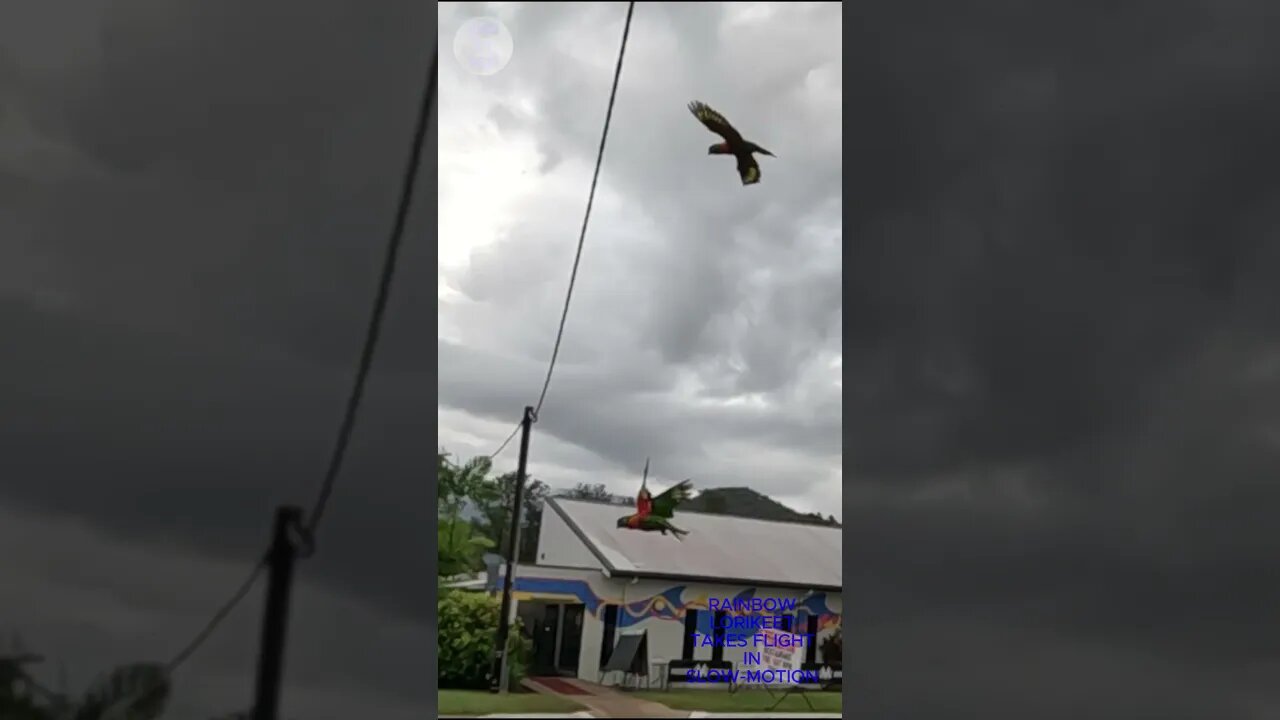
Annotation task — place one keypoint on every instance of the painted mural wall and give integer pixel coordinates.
(658, 607)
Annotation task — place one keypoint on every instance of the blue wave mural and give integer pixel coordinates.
(670, 604)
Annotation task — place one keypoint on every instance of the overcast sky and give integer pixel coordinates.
(705, 327)
(1063, 359)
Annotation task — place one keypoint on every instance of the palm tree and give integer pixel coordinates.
(459, 549)
(137, 691)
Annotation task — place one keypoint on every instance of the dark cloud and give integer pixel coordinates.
(195, 204)
(1061, 418)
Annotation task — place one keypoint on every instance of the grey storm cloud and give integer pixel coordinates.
(195, 203)
(1061, 360)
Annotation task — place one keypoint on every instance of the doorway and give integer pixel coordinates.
(556, 632)
(571, 639)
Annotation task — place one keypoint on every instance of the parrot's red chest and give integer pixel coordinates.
(633, 522)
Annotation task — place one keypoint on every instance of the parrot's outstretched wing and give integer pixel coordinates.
(665, 504)
(644, 500)
(715, 122)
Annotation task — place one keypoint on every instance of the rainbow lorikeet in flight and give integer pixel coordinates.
(734, 144)
(655, 513)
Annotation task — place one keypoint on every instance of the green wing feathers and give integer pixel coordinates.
(715, 122)
(665, 504)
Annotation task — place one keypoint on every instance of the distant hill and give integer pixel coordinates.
(734, 501)
(745, 502)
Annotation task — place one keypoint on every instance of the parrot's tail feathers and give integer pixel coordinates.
(679, 533)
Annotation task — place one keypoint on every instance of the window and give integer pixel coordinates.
(610, 630)
(690, 627)
(811, 638)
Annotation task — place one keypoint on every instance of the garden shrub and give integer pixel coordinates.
(468, 622)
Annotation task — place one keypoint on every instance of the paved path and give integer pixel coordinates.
(606, 702)
(700, 714)
(691, 715)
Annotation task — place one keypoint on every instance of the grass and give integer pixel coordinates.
(745, 700)
(482, 702)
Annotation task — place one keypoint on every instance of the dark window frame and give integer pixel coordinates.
(690, 627)
(610, 633)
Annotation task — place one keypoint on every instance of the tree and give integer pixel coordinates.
(17, 699)
(137, 691)
(15, 703)
(495, 508)
(459, 549)
(583, 491)
(492, 499)
(460, 483)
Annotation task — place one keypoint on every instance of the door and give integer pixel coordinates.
(544, 642)
(571, 640)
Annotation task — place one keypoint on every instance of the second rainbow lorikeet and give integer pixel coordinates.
(734, 144)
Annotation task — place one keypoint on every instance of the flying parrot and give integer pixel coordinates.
(734, 144)
(660, 512)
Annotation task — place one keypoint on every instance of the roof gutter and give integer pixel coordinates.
(756, 582)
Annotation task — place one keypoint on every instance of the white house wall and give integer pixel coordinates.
(663, 623)
(558, 545)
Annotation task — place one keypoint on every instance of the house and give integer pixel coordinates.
(594, 581)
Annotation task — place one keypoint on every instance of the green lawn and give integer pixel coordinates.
(746, 700)
(482, 702)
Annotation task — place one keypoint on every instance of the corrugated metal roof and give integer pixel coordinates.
(718, 547)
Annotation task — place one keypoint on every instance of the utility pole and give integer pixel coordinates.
(498, 676)
(276, 616)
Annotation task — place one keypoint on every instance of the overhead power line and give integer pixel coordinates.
(493, 455)
(573, 275)
(218, 617)
(379, 305)
(577, 258)
(505, 443)
(366, 361)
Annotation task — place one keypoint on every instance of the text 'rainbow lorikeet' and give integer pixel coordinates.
(734, 144)
(655, 513)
